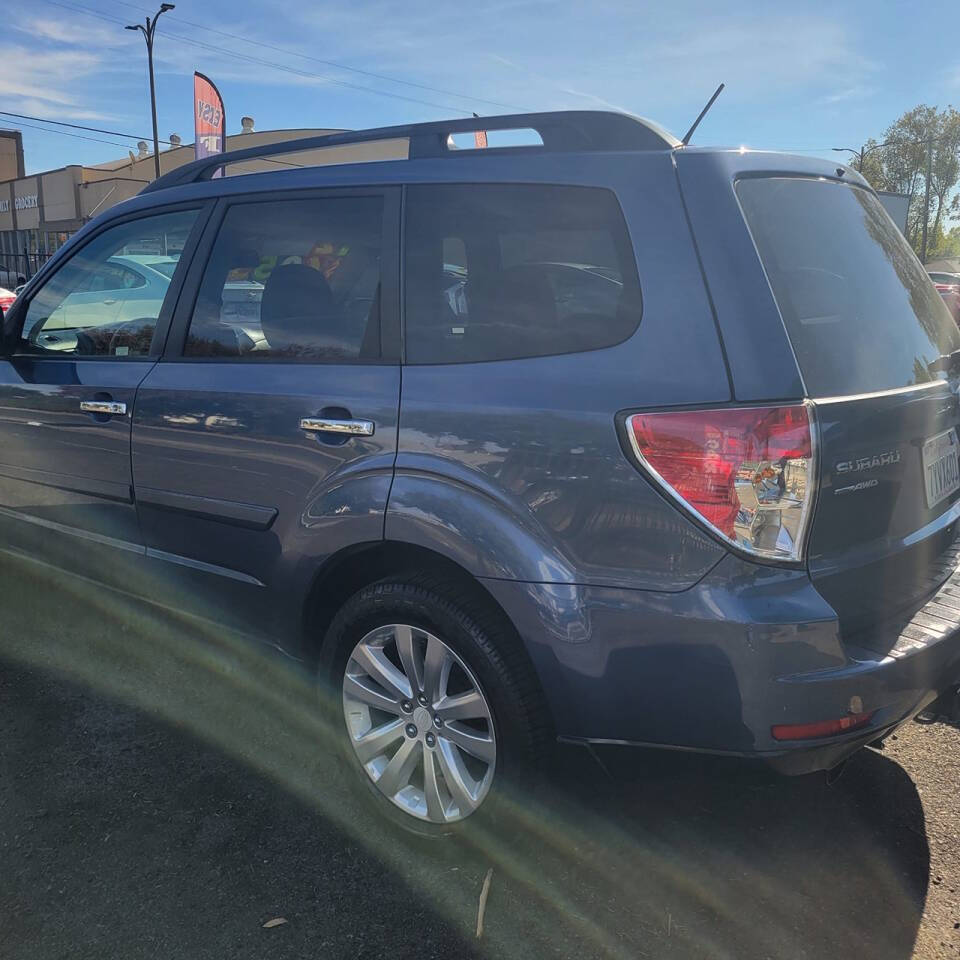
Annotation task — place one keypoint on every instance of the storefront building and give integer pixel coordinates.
(39, 213)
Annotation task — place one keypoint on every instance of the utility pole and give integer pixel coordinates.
(926, 202)
(148, 32)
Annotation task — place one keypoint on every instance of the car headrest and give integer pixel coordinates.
(517, 295)
(296, 307)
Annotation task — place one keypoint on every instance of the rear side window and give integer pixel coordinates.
(499, 272)
(294, 279)
(860, 311)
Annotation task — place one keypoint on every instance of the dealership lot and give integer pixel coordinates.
(166, 791)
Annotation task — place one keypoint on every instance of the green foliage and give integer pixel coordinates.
(898, 163)
(944, 246)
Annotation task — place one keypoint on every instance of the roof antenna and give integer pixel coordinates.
(703, 113)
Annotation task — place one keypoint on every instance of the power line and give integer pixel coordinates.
(63, 133)
(76, 126)
(267, 63)
(114, 133)
(328, 63)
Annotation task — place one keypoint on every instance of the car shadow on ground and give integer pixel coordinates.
(166, 789)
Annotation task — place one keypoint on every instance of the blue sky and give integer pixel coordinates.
(804, 77)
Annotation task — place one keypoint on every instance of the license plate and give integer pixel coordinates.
(941, 471)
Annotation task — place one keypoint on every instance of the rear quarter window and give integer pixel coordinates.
(498, 272)
(860, 311)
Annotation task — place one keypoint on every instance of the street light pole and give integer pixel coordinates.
(857, 153)
(864, 150)
(148, 32)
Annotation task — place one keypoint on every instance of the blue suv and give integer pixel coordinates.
(606, 439)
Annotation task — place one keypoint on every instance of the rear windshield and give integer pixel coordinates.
(859, 309)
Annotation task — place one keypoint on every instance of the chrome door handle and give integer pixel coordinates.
(353, 428)
(103, 406)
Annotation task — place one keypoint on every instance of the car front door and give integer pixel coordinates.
(67, 391)
(264, 439)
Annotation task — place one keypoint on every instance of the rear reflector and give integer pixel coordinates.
(749, 472)
(823, 728)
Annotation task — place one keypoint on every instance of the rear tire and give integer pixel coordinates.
(445, 760)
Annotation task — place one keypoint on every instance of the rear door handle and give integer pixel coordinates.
(103, 406)
(353, 428)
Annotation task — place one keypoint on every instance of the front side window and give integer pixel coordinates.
(104, 301)
(294, 279)
(497, 272)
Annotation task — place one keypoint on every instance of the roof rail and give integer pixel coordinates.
(564, 131)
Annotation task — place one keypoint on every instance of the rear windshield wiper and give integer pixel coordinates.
(948, 363)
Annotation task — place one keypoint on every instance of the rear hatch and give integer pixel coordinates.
(875, 346)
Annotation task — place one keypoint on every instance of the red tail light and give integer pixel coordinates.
(6, 303)
(749, 472)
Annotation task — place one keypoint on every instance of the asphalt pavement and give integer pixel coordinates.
(166, 790)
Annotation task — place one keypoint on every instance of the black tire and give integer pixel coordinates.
(478, 634)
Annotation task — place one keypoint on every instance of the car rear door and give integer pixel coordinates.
(876, 348)
(264, 441)
(67, 394)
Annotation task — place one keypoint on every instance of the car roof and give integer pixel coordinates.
(132, 263)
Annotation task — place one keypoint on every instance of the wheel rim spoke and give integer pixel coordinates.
(463, 706)
(436, 669)
(396, 774)
(403, 635)
(373, 660)
(376, 741)
(431, 788)
(455, 777)
(355, 688)
(477, 744)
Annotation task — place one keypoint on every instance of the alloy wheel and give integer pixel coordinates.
(419, 723)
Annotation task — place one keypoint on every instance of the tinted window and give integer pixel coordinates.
(113, 276)
(293, 280)
(166, 267)
(98, 303)
(498, 272)
(861, 312)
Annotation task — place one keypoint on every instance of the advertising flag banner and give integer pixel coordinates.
(210, 121)
(480, 137)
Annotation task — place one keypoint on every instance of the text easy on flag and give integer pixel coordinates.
(209, 118)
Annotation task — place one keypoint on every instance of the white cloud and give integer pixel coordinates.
(47, 77)
(609, 52)
(72, 31)
(522, 54)
(857, 92)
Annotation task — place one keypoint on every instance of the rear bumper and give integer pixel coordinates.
(715, 667)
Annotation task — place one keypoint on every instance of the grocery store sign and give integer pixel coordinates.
(26, 202)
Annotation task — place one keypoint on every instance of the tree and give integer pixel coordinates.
(945, 246)
(898, 163)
